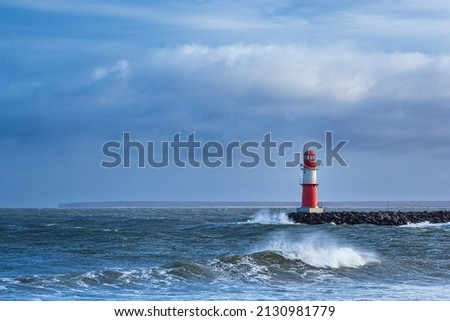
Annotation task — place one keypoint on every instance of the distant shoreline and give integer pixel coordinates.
(175, 204)
(254, 204)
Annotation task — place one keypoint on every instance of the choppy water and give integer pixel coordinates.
(217, 253)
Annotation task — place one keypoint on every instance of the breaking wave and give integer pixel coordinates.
(321, 251)
(264, 216)
(279, 259)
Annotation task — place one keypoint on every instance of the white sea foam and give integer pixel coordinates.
(264, 216)
(244, 268)
(426, 224)
(417, 292)
(320, 250)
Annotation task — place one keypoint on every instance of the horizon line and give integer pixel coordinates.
(212, 204)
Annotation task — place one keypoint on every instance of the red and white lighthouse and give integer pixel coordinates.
(309, 183)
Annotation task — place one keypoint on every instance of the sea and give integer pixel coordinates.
(218, 253)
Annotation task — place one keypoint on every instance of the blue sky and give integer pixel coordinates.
(76, 74)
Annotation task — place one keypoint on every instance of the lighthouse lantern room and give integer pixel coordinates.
(309, 183)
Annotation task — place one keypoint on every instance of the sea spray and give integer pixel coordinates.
(319, 250)
(427, 224)
(264, 216)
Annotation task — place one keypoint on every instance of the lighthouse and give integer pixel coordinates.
(309, 183)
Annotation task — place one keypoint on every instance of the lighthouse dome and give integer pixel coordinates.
(309, 158)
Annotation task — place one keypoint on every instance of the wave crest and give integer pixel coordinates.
(264, 216)
(320, 251)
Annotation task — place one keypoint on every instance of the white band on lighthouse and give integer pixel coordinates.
(310, 176)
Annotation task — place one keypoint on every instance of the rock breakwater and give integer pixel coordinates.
(375, 218)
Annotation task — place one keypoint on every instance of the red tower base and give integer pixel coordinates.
(309, 195)
(310, 200)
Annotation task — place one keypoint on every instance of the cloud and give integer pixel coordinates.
(377, 100)
(389, 19)
(120, 68)
(294, 71)
(298, 73)
(211, 16)
(370, 97)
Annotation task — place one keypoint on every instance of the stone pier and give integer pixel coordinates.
(375, 217)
